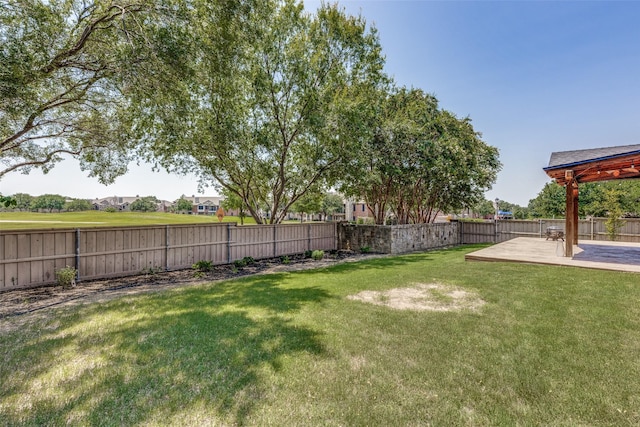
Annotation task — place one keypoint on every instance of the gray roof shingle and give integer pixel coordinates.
(568, 158)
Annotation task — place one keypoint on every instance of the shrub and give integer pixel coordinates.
(317, 255)
(203, 265)
(307, 254)
(365, 249)
(110, 209)
(239, 263)
(285, 260)
(152, 270)
(248, 260)
(66, 277)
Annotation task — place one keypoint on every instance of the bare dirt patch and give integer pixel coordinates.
(423, 297)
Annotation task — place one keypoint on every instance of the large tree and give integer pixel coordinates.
(419, 161)
(263, 111)
(144, 204)
(64, 66)
(48, 202)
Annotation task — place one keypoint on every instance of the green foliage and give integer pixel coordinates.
(419, 161)
(550, 202)
(239, 263)
(594, 199)
(183, 205)
(61, 83)
(152, 270)
(145, 204)
(310, 202)
(484, 208)
(267, 98)
(365, 249)
(317, 255)
(331, 204)
(203, 266)
(110, 209)
(233, 201)
(614, 221)
(48, 202)
(78, 205)
(66, 277)
(23, 201)
(285, 260)
(7, 202)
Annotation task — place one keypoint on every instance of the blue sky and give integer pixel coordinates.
(534, 77)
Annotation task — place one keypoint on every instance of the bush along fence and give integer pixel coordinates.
(30, 258)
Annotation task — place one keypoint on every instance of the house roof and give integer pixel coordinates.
(595, 164)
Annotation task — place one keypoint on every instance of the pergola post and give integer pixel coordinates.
(571, 216)
(575, 212)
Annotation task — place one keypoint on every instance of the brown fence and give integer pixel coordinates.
(31, 257)
(500, 231)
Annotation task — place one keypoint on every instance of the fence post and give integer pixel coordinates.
(166, 248)
(275, 242)
(228, 243)
(77, 254)
(308, 237)
(591, 228)
(540, 224)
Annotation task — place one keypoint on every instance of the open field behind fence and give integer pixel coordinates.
(31, 257)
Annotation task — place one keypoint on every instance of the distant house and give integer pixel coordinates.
(122, 203)
(204, 205)
(357, 211)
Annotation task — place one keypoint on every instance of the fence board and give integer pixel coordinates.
(30, 258)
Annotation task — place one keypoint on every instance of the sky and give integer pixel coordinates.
(534, 77)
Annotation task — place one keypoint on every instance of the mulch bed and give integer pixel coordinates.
(22, 301)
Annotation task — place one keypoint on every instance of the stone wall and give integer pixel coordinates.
(354, 237)
(398, 239)
(421, 237)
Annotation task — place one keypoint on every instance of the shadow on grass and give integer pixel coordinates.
(159, 359)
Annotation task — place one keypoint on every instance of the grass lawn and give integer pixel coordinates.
(550, 346)
(32, 220)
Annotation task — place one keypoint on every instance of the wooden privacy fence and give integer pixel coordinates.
(30, 257)
(503, 230)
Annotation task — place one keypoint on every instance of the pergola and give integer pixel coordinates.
(571, 168)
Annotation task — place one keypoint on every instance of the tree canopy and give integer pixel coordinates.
(594, 199)
(261, 99)
(261, 110)
(144, 204)
(183, 204)
(61, 83)
(420, 160)
(48, 202)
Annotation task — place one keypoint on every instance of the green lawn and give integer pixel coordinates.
(31, 220)
(551, 346)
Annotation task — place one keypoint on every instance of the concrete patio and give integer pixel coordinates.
(617, 256)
